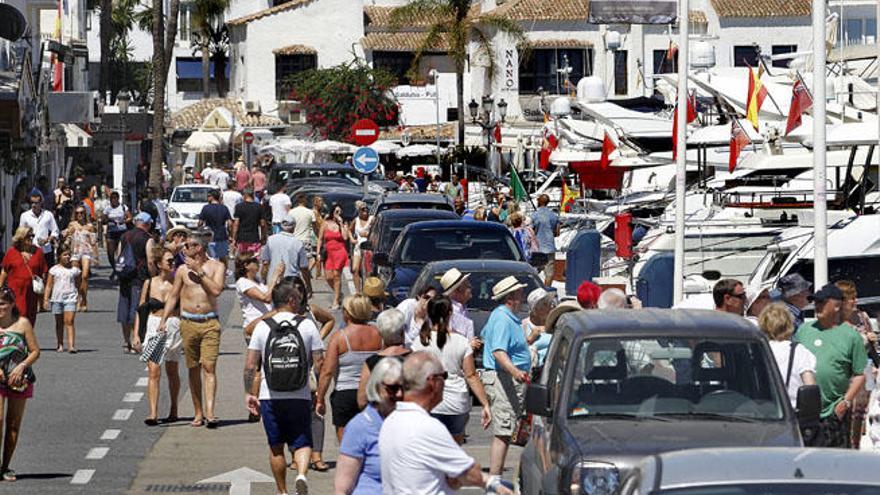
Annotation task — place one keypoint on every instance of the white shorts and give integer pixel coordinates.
(173, 343)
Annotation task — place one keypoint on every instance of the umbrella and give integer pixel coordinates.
(417, 150)
(206, 142)
(328, 146)
(385, 147)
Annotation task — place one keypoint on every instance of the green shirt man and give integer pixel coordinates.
(840, 355)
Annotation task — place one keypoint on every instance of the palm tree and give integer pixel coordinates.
(163, 45)
(451, 23)
(106, 17)
(211, 40)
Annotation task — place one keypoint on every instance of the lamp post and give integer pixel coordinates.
(434, 75)
(123, 100)
(487, 122)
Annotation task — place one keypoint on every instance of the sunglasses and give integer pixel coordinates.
(443, 375)
(393, 388)
(192, 244)
(741, 295)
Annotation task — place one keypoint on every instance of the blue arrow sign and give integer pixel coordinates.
(366, 160)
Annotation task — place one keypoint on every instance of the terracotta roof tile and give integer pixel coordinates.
(697, 17)
(397, 42)
(192, 116)
(292, 4)
(379, 19)
(762, 8)
(295, 50)
(421, 133)
(542, 10)
(560, 43)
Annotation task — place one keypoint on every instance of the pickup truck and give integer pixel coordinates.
(625, 384)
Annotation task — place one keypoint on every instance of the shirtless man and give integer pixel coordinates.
(197, 284)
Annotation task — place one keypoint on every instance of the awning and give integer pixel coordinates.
(206, 142)
(418, 150)
(188, 68)
(76, 137)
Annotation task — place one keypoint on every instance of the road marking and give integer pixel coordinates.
(349, 281)
(122, 414)
(97, 453)
(110, 434)
(239, 480)
(82, 476)
(133, 397)
(142, 382)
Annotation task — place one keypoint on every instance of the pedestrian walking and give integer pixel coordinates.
(861, 322)
(22, 265)
(545, 222)
(347, 351)
(794, 291)
(360, 229)
(61, 193)
(358, 468)
(82, 238)
(796, 364)
(408, 185)
(453, 189)
(242, 176)
(391, 324)
(729, 296)
(284, 247)
(305, 226)
(318, 224)
(457, 356)
(116, 216)
(43, 224)
(332, 251)
(19, 350)
(280, 204)
(231, 198)
(458, 288)
(840, 365)
(216, 217)
(197, 285)
(374, 288)
(254, 297)
(249, 228)
(258, 181)
(426, 460)
(161, 222)
(160, 347)
(133, 269)
(507, 361)
(176, 243)
(287, 348)
(62, 297)
(415, 311)
(524, 235)
(540, 304)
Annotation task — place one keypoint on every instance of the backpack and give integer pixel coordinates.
(285, 357)
(126, 263)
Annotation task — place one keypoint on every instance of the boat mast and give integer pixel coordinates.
(681, 146)
(820, 225)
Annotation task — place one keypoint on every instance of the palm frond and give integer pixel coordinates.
(418, 12)
(487, 49)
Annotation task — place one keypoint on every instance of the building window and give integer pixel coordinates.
(184, 22)
(853, 31)
(781, 50)
(870, 30)
(397, 63)
(541, 68)
(288, 65)
(663, 64)
(621, 82)
(189, 75)
(745, 56)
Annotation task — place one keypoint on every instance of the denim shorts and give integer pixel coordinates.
(218, 249)
(62, 307)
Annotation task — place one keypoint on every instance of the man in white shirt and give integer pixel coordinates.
(305, 221)
(457, 288)
(220, 179)
(426, 460)
(280, 204)
(286, 415)
(207, 174)
(231, 198)
(43, 224)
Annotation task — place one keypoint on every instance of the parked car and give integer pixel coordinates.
(436, 240)
(345, 197)
(287, 174)
(621, 385)
(771, 471)
(387, 225)
(186, 203)
(484, 274)
(419, 201)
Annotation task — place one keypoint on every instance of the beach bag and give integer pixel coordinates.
(285, 357)
(154, 349)
(126, 264)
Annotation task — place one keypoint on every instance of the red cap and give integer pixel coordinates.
(588, 294)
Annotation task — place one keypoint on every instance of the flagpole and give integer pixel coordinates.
(820, 207)
(681, 146)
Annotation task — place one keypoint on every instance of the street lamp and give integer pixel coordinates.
(435, 76)
(487, 121)
(123, 100)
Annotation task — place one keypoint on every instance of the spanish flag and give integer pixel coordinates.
(757, 94)
(568, 197)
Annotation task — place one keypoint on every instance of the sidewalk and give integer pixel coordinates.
(183, 455)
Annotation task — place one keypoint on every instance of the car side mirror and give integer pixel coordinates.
(381, 259)
(538, 400)
(809, 404)
(365, 246)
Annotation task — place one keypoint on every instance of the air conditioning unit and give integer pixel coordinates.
(252, 106)
(291, 112)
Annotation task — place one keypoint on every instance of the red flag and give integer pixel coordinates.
(608, 147)
(738, 141)
(801, 101)
(691, 116)
(496, 135)
(550, 143)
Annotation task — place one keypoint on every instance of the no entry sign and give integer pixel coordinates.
(249, 137)
(365, 132)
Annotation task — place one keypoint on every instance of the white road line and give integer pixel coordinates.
(133, 397)
(97, 453)
(82, 476)
(349, 281)
(122, 414)
(110, 434)
(142, 382)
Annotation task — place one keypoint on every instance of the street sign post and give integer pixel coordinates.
(365, 132)
(248, 139)
(365, 161)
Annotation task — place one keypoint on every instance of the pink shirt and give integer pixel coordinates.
(259, 181)
(242, 177)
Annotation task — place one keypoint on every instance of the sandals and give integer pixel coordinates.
(319, 466)
(169, 419)
(9, 475)
(213, 423)
(151, 422)
(196, 423)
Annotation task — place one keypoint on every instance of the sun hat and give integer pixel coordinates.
(507, 285)
(535, 296)
(176, 230)
(358, 307)
(563, 307)
(793, 284)
(374, 287)
(452, 279)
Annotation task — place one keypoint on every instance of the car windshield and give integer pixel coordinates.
(429, 245)
(415, 205)
(777, 489)
(482, 283)
(688, 378)
(190, 195)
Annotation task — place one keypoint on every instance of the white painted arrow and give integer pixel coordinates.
(363, 160)
(239, 480)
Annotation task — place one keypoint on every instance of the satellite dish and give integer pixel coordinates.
(12, 23)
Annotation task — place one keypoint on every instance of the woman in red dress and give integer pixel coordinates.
(332, 238)
(23, 261)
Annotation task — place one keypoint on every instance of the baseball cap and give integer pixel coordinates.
(143, 217)
(289, 219)
(828, 291)
(793, 284)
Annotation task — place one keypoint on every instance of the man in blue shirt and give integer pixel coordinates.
(545, 223)
(507, 361)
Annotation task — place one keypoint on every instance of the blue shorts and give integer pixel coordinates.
(287, 421)
(455, 423)
(218, 249)
(62, 307)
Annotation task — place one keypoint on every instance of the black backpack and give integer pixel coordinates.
(126, 263)
(285, 357)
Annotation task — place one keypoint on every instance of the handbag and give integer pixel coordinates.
(522, 430)
(37, 282)
(154, 350)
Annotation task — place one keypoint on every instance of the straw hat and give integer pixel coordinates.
(507, 285)
(358, 307)
(175, 230)
(452, 279)
(374, 287)
(561, 309)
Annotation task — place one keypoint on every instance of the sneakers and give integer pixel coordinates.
(302, 486)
